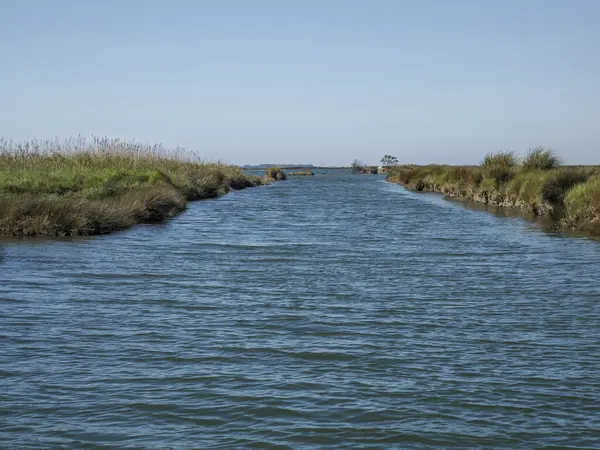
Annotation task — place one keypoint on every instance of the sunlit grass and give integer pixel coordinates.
(582, 204)
(540, 159)
(538, 184)
(89, 187)
(501, 158)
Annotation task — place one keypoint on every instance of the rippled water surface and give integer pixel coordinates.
(320, 312)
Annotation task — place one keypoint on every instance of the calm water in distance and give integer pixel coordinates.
(320, 312)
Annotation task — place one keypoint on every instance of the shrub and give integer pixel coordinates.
(526, 188)
(582, 205)
(402, 175)
(560, 181)
(508, 159)
(541, 159)
(275, 174)
(454, 174)
(358, 166)
(499, 173)
(475, 176)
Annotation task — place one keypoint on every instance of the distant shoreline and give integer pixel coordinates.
(291, 167)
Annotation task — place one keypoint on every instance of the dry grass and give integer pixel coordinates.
(275, 174)
(78, 187)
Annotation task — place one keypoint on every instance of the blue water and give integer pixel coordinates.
(319, 312)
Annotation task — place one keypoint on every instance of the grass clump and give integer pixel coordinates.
(525, 190)
(275, 174)
(560, 181)
(540, 159)
(499, 167)
(420, 178)
(507, 159)
(78, 187)
(500, 174)
(582, 205)
(302, 174)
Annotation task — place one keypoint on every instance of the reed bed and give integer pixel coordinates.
(84, 187)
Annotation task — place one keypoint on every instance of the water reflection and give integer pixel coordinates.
(549, 224)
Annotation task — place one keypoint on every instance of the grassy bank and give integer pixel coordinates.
(78, 187)
(537, 183)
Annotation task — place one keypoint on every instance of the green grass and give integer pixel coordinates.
(508, 159)
(301, 174)
(582, 205)
(77, 187)
(539, 184)
(560, 181)
(541, 159)
(525, 190)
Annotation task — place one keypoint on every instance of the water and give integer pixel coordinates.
(314, 170)
(320, 312)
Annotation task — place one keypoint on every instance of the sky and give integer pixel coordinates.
(307, 81)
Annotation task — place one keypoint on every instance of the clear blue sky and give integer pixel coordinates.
(310, 81)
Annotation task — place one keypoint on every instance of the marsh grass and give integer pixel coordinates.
(275, 174)
(570, 194)
(560, 181)
(59, 188)
(508, 159)
(540, 159)
(582, 205)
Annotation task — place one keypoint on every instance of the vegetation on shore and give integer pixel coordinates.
(538, 183)
(275, 174)
(301, 173)
(77, 187)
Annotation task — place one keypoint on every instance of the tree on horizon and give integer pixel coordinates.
(357, 166)
(389, 160)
